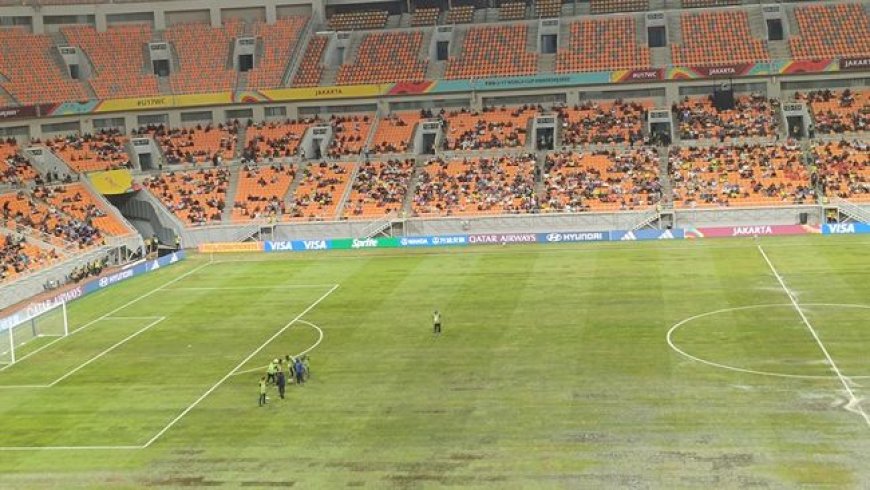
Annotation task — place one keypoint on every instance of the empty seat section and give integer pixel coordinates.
(838, 112)
(77, 201)
(844, 169)
(462, 14)
(752, 116)
(89, 153)
(310, 68)
(200, 144)
(274, 139)
(602, 44)
(395, 132)
(349, 134)
(548, 8)
(476, 186)
(261, 191)
(354, 21)
(425, 17)
(492, 128)
(379, 189)
(203, 57)
(601, 181)
(721, 37)
(612, 6)
(604, 122)
(197, 197)
(118, 57)
(30, 71)
(279, 40)
(14, 168)
(385, 57)
(512, 11)
(493, 51)
(830, 31)
(320, 191)
(748, 175)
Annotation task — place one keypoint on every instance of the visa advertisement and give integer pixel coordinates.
(846, 229)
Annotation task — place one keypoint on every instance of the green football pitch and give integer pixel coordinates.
(710, 363)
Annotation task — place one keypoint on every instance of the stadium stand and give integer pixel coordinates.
(349, 134)
(512, 11)
(602, 44)
(118, 57)
(753, 116)
(601, 181)
(548, 8)
(31, 74)
(14, 169)
(614, 6)
(310, 70)
(709, 3)
(31, 210)
(197, 197)
(76, 200)
(493, 51)
(103, 150)
(604, 122)
(274, 139)
(831, 30)
(460, 14)
(476, 186)
(746, 175)
(200, 144)
(279, 40)
(385, 57)
(261, 191)
(425, 16)
(492, 128)
(318, 195)
(838, 112)
(844, 169)
(717, 37)
(203, 55)
(395, 132)
(17, 256)
(356, 21)
(379, 189)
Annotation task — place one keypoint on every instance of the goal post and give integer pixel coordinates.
(24, 327)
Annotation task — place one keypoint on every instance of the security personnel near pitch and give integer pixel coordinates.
(436, 323)
(281, 381)
(262, 399)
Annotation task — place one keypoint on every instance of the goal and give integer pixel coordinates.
(26, 326)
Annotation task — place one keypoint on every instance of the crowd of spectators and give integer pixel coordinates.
(102, 150)
(500, 127)
(199, 144)
(17, 256)
(14, 168)
(753, 116)
(838, 112)
(197, 197)
(349, 134)
(499, 185)
(601, 180)
(261, 191)
(320, 190)
(379, 188)
(743, 175)
(593, 122)
(843, 169)
(32, 211)
(274, 140)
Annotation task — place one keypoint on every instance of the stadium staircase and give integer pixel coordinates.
(379, 227)
(296, 55)
(408, 204)
(675, 30)
(347, 192)
(49, 162)
(232, 190)
(291, 189)
(793, 27)
(665, 177)
(851, 210)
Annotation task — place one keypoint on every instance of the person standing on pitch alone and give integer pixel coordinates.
(262, 399)
(281, 381)
(436, 323)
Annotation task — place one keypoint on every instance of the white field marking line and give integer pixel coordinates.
(131, 302)
(242, 363)
(66, 448)
(96, 357)
(306, 351)
(243, 288)
(680, 351)
(853, 400)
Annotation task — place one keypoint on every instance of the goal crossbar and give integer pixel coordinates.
(37, 321)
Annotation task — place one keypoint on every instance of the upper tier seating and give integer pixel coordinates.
(320, 191)
(31, 73)
(613, 6)
(548, 8)
(349, 134)
(717, 37)
(200, 144)
(279, 41)
(475, 186)
(709, 3)
(197, 197)
(493, 128)
(844, 169)
(261, 191)
(17, 256)
(14, 169)
(748, 175)
(601, 181)
(512, 11)
(395, 132)
(118, 57)
(831, 31)
(425, 16)
(88, 153)
(609, 43)
(385, 57)
(604, 122)
(356, 21)
(752, 116)
(493, 51)
(77, 201)
(839, 112)
(461, 14)
(203, 54)
(379, 189)
(310, 70)
(274, 139)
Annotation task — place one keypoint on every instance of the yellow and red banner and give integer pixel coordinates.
(112, 182)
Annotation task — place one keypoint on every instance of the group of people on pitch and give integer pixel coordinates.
(297, 371)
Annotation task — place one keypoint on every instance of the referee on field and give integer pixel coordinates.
(436, 323)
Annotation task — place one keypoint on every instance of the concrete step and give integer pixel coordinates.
(779, 50)
(547, 63)
(232, 189)
(660, 57)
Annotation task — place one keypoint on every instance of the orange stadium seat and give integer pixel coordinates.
(261, 191)
(318, 195)
(349, 134)
(512, 11)
(604, 122)
(30, 209)
(76, 200)
(355, 21)
(752, 116)
(89, 153)
(493, 128)
(274, 139)
(197, 197)
(613, 6)
(31, 73)
(718, 37)
(844, 169)
(203, 56)
(548, 8)
(709, 3)
(200, 144)
(310, 70)
(425, 17)
(493, 51)
(14, 168)
(279, 41)
(118, 56)
(602, 44)
(831, 31)
(385, 57)
(838, 112)
(18, 257)
(379, 189)
(394, 132)
(461, 14)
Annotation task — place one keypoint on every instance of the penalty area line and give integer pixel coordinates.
(306, 351)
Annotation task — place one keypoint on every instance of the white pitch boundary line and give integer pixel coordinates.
(853, 400)
(86, 325)
(66, 448)
(242, 363)
(243, 288)
(306, 351)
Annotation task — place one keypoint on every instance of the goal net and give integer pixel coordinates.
(23, 328)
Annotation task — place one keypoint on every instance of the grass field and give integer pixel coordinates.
(558, 367)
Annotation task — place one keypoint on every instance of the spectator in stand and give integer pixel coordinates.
(493, 128)
(17, 257)
(752, 116)
(602, 123)
(838, 112)
(194, 145)
(197, 197)
(843, 169)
